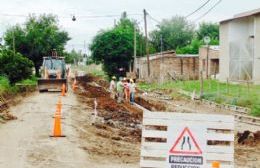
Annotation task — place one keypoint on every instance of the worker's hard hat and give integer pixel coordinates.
(131, 80)
(124, 79)
(113, 77)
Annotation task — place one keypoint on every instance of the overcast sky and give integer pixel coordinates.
(85, 28)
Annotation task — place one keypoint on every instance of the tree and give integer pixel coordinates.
(192, 48)
(73, 57)
(37, 38)
(14, 66)
(114, 48)
(176, 32)
(209, 29)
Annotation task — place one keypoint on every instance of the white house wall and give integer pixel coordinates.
(224, 52)
(241, 48)
(257, 50)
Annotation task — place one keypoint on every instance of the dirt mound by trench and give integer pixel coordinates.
(122, 115)
(248, 138)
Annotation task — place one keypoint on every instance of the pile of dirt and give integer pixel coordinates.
(248, 138)
(87, 78)
(5, 115)
(90, 78)
(93, 91)
(120, 115)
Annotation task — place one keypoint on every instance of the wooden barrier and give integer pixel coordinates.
(219, 145)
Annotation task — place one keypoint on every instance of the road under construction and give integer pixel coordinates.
(109, 139)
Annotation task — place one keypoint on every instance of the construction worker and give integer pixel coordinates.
(112, 87)
(120, 90)
(126, 89)
(132, 88)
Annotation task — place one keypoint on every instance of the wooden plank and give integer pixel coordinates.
(152, 164)
(220, 149)
(154, 153)
(220, 137)
(220, 156)
(154, 134)
(188, 117)
(154, 145)
(212, 125)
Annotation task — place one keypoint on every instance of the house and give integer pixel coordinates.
(209, 61)
(240, 48)
(168, 66)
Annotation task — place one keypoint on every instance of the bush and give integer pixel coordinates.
(4, 84)
(255, 111)
(15, 66)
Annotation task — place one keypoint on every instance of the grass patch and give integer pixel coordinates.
(245, 95)
(30, 81)
(7, 89)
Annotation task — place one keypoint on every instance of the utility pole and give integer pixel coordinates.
(161, 60)
(135, 48)
(146, 43)
(13, 41)
(207, 70)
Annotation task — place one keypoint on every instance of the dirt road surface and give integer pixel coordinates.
(25, 142)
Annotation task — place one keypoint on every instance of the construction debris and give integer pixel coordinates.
(124, 116)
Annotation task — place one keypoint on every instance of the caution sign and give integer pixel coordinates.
(186, 146)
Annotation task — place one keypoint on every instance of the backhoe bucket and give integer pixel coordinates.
(51, 84)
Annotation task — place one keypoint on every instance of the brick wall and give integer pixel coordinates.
(164, 67)
(213, 65)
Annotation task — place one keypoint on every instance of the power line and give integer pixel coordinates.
(154, 19)
(88, 16)
(208, 11)
(198, 9)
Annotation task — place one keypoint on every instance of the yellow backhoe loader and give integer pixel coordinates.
(53, 74)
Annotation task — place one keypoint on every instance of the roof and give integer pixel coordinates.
(170, 53)
(243, 15)
(167, 54)
(212, 47)
(187, 55)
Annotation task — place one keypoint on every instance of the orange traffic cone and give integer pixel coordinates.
(63, 90)
(74, 85)
(59, 104)
(58, 109)
(57, 127)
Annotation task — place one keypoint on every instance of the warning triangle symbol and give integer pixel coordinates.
(186, 144)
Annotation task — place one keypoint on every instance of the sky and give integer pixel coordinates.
(86, 26)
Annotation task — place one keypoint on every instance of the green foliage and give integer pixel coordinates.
(4, 84)
(15, 66)
(176, 32)
(114, 47)
(192, 48)
(30, 81)
(73, 57)
(37, 38)
(255, 111)
(209, 29)
(180, 35)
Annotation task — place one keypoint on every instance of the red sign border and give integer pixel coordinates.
(172, 150)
